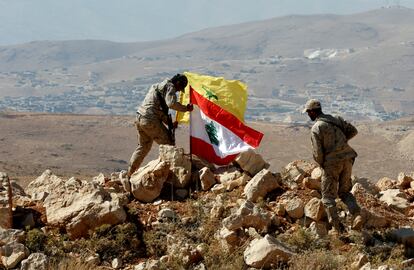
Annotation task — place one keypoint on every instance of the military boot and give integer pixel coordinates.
(333, 219)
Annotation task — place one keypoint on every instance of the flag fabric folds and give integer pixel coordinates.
(217, 131)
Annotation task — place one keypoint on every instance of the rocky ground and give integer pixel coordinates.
(86, 145)
(177, 213)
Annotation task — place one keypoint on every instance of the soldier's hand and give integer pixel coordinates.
(175, 124)
(190, 107)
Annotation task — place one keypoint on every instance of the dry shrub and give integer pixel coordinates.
(321, 260)
(71, 264)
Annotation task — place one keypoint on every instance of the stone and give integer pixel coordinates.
(93, 259)
(360, 261)
(295, 172)
(385, 183)
(180, 165)
(13, 253)
(148, 181)
(116, 263)
(294, 208)
(218, 188)
(366, 266)
(229, 239)
(314, 209)
(36, 261)
(207, 178)
(251, 162)
(46, 183)
(83, 206)
(226, 174)
(241, 181)
(167, 214)
(262, 183)
(317, 174)
(404, 180)
(11, 235)
(266, 253)
(319, 229)
(99, 180)
(248, 215)
(280, 210)
(311, 183)
(396, 199)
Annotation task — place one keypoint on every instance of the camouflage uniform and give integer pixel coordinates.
(150, 119)
(332, 152)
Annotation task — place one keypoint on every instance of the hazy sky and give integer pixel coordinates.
(139, 20)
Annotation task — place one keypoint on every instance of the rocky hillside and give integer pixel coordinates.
(182, 213)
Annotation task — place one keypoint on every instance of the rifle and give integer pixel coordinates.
(170, 124)
(171, 129)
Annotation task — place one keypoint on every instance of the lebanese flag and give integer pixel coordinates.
(217, 135)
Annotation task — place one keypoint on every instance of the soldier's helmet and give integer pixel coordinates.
(312, 104)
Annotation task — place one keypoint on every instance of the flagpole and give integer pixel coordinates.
(189, 132)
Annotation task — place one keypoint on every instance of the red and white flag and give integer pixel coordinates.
(216, 134)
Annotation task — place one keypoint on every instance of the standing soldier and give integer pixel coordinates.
(329, 136)
(153, 114)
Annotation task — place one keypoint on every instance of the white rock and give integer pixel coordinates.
(248, 215)
(148, 181)
(314, 209)
(266, 253)
(251, 162)
(261, 184)
(294, 208)
(207, 178)
(180, 165)
(36, 261)
(13, 253)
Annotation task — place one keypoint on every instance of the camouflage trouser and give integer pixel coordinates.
(149, 130)
(336, 181)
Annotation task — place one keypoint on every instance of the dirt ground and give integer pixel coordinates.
(85, 145)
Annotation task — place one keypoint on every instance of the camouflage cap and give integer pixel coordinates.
(312, 104)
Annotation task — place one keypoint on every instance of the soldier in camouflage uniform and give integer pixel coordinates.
(329, 136)
(151, 117)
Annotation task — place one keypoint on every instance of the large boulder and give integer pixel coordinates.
(266, 253)
(12, 254)
(248, 215)
(261, 184)
(180, 165)
(251, 162)
(81, 206)
(42, 186)
(147, 182)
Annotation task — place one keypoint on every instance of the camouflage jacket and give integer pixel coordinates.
(329, 136)
(151, 106)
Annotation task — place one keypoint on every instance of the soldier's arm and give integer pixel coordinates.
(349, 130)
(171, 100)
(317, 147)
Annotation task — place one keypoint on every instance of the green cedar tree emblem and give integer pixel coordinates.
(212, 133)
(209, 93)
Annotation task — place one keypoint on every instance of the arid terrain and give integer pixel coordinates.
(84, 145)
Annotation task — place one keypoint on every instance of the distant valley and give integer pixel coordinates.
(359, 65)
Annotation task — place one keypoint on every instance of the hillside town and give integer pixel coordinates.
(122, 98)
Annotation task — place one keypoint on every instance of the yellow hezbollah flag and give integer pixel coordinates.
(231, 95)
